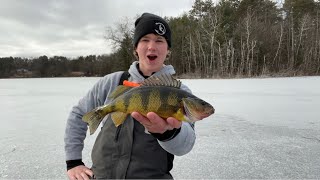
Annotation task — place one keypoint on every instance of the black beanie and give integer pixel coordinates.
(150, 23)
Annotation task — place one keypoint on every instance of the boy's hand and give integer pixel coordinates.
(155, 124)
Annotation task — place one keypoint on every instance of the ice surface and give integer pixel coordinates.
(262, 128)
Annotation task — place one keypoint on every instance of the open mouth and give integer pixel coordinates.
(152, 57)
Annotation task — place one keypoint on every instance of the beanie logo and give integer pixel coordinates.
(160, 28)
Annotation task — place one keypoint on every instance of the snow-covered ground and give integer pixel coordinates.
(262, 128)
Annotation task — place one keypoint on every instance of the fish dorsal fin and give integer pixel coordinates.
(162, 80)
(118, 91)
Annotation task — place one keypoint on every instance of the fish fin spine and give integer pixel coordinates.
(162, 80)
(121, 89)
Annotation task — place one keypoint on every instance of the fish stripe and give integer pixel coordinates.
(126, 101)
(154, 100)
(145, 100)
(112, 107)
(135, 102)
(172, 99)
(120, 104)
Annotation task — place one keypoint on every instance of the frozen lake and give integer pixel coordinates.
(263, 128)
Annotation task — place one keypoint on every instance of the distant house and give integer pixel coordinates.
(77, 74)
(23, 73)
(22, 70)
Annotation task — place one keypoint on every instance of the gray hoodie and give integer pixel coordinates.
(76, 129)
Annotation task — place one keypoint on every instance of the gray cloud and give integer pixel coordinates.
(70, 27)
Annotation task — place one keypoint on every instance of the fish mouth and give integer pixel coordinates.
(207, 112)
(196, 116)
(152, 57)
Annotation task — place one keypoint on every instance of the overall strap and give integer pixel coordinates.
(125, 76)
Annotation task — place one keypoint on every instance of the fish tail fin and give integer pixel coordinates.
(93, 119)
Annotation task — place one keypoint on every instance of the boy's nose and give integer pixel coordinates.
(151, 46)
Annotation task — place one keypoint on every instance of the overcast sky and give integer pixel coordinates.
(71, 28)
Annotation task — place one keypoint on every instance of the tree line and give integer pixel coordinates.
(58, 66)
(231, 38)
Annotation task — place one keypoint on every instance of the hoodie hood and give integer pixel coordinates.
(137, 77)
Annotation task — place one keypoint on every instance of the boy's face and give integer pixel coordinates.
(152, 51)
